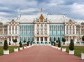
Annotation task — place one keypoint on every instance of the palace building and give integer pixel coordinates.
(41, 28)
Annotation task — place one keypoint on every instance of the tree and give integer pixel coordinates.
(59, 43)
(82, 38)
(24, 41)
(9, 43)
(56, 41)
(63, 40)
(37, 42)
(15, 41)
(5, 47)
(71, 45)
(20, 44)
(28, 43)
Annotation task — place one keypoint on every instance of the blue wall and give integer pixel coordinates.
(56, 30)
(26, 32)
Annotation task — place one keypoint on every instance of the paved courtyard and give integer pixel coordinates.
(40, 54)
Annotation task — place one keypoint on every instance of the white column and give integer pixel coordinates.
(18, 39)
(39, 39)
(8, 30)
(80, 30)
(43, 39)
(14, 30)
(17, 31)
(14, 37)
(71, 30)
(68, 29)
(48, 29)
(11, 29)
(35, 29)
(75, 39)
(11, 40)
(65, 29)
(35, 39)
(68, 39)
(8, 40)
(3, 30)
(48, 39)
(75, 29)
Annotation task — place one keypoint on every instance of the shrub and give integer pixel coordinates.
(24, 41)
(63, 40)
(82, 38)
(15, 41)
(27, 43)
(20, 44)
(5, 47)
(9, 43)
(59, 43)
(71, 45)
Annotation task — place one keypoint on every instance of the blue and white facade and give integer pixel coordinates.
(41, 28)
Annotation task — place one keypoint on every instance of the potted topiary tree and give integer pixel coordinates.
(71, 47)
(28, 44)
(20, 45)
(82, 38)
(63, 40)
(9, 44)
(59, 44)
(82, 54)
(24, 44)
(15, 41)
(24, 41)
(5, 47)
(15, 49)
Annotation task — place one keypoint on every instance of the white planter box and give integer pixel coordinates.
(71, 51)
(21, 48)
(15, 49)
(5, 51)
(63, 49)
(59, 48)
(28, 46)
(56, 47)
(82, 55)
(25, 47)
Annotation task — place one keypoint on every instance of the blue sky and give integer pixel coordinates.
(70, 8)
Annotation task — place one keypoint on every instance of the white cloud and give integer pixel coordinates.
(29, 10)
(4, 14)
(20, 3)
(56, 2)
(69, 7)
(78, 9)
(4, 8)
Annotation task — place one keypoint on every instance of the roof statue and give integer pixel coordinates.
(41, 18)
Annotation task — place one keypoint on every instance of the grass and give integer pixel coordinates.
(11, 49)
(78, 50)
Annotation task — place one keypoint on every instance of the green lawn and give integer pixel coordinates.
(78, 50)
(11, 48)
